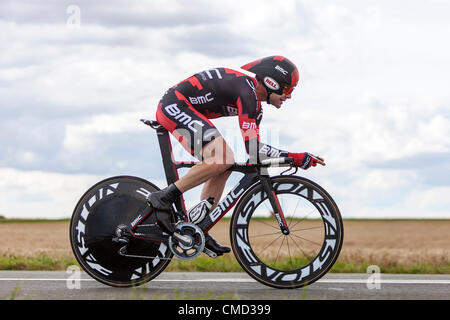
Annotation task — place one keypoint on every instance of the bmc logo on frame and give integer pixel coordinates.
(182, 117)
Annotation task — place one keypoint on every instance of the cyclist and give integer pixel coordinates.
(185, 110)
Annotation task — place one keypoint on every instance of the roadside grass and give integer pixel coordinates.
(230, 264)
(40, 262)
(225, 263)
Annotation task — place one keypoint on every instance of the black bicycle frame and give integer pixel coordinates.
(252, 174)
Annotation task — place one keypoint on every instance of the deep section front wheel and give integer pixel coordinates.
(291, 260)
(105, 206)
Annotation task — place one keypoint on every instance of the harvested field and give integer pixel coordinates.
(31, 239)
(387, 243)
(383, 243)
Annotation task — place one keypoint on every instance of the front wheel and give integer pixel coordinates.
(105, 206)
(291, 260)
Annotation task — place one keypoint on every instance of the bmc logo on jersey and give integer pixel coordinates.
(248, 125)
(182, 117)
(271, 83)
(201, 99)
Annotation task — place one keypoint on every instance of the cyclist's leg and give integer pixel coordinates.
(198, 136)
(201, 139)
(214, 187)
(217, 157)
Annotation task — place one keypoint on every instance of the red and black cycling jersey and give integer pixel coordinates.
(214, 93)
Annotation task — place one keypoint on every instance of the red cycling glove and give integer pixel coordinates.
(304, 160)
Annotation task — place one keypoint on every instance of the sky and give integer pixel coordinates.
(373, 97)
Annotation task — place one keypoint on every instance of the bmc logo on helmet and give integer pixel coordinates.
(271, 83)
(281, 70)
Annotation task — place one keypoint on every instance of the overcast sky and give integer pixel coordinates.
(373, 97)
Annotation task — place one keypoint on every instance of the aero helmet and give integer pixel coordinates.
(278, 74)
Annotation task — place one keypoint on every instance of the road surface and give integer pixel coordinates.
(60, 285)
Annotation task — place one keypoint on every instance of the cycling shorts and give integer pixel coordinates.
(191, 128)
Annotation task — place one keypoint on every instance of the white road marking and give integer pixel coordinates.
(398, 281)
(350, 281)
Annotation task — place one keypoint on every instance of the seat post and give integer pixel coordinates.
(166, 154)
(170, 169)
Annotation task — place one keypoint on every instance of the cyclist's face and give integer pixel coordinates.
(278, 99)
(275, 99)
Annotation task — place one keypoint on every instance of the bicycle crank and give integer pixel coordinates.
(187, 242)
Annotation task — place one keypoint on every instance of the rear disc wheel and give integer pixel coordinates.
(105, 206)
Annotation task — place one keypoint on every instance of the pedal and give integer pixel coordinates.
(210, 253)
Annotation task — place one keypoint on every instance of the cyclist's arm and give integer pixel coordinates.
(249, 126)
(258, 151)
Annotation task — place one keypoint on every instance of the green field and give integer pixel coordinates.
(205, 264)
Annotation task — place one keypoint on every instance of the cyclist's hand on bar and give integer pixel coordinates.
(305, 160)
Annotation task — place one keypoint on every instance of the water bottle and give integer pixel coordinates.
(197, 213)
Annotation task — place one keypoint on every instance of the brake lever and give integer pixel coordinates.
(290, 160)
(290, 168)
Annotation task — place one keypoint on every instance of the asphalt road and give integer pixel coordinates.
(60, 285)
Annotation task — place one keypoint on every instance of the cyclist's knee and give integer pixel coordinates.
(222, 167)
(218, 154)
(219, 164)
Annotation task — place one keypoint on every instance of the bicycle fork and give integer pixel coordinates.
(273, 199)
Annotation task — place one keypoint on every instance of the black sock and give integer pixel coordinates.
(171, 193)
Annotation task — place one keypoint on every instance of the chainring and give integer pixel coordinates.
(185, 251)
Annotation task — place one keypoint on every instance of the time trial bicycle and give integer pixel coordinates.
(286, 231)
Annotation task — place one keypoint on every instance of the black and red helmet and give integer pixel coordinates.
(277, 73)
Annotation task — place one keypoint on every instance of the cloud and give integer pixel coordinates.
(40, 194)
(417, 203)
(154, 14)
(214, 40)
(111, 143)
(373, 97)
(37, 194)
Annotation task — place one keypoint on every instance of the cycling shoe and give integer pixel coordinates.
(213, 245)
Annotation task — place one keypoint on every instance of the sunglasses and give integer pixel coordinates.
(288, 90)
